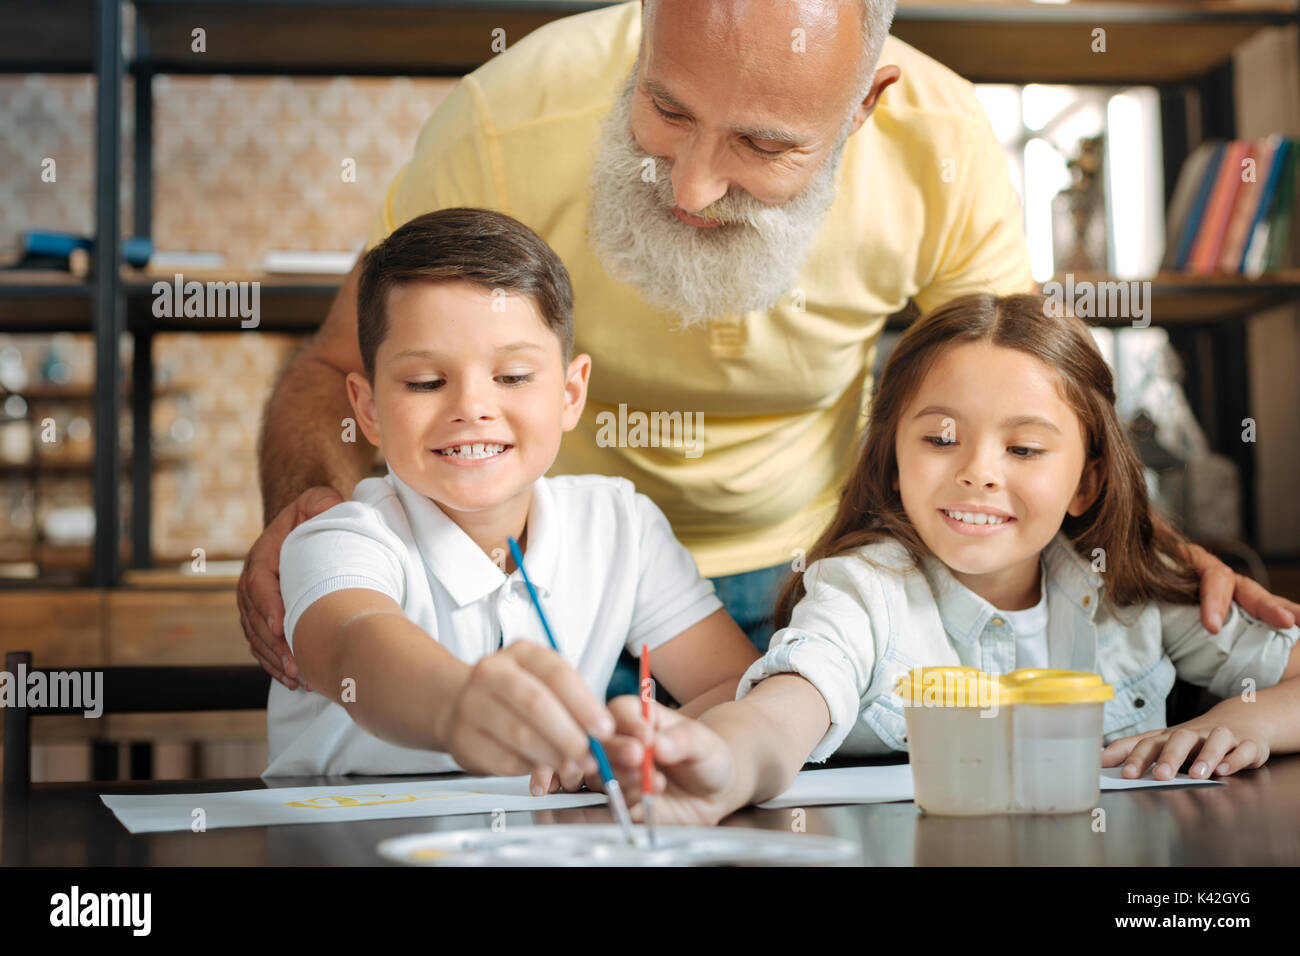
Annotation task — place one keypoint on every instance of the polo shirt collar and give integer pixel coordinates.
(459, 564)
(963, 612)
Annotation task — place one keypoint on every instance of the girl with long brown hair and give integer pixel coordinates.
(996, 517)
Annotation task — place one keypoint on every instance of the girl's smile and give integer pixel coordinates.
(979, 522)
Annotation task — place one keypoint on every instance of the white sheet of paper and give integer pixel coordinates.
(890, 783)
(152, 813)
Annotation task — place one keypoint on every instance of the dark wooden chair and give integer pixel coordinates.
(130, 690)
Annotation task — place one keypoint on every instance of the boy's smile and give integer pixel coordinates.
(468, 455)
(990, 460)
(470, 399)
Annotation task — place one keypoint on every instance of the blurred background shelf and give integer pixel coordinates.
(1179, 298)
(131, 597)
(44, 300)
(1184, 48)
(329, 37)
(48, 36)
(1018, 41)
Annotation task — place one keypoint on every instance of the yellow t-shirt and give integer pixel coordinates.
(924, 209)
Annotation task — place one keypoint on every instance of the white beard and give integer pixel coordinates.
(749, 263)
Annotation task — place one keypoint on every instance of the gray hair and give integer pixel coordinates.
(877, 16)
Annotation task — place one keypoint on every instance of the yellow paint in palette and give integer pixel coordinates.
(429, 855)
(377, 799)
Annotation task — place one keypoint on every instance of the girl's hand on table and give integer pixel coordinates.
(1221, 743)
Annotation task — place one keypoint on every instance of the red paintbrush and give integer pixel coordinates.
(648, 759)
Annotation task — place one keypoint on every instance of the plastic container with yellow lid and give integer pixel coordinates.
(959, 736)
(1025, 742)
(1056, 739)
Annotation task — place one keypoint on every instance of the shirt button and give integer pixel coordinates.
(1087, 599)
(1139, 702)
(996, 622)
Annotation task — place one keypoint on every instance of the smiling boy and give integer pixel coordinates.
(403, 608)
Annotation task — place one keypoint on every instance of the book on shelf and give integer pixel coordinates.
(1188, 199)
(1243, 213)
(1233, 208)
(1209, 238)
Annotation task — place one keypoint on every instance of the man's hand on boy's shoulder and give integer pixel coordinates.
(261, 608)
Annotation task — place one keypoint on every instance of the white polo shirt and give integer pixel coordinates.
(608, 570)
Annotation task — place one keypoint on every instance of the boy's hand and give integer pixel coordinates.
(693, 765)
(520, 708)
(545, 780)
(1222, 740)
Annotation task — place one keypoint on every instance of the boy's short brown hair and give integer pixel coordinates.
(487, 248)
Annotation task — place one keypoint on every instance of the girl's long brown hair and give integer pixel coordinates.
(1143, 559)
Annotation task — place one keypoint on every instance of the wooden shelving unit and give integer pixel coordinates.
(1178, 46)
(1151, 42)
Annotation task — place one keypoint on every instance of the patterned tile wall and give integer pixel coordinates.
(242, 166)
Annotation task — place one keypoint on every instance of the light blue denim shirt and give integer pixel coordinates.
(863, 623)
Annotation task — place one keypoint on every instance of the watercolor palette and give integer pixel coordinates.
(604, 845)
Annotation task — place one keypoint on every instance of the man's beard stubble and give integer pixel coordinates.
(749, 263)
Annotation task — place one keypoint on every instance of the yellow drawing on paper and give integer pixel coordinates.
(376, 799)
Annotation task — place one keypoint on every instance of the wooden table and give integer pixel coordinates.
(1254, 820)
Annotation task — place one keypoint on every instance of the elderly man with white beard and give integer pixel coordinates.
(737, 233)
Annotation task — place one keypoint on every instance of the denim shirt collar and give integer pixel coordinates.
(1072, 575)
(966, 615)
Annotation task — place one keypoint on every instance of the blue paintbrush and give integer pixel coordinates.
(612, 789)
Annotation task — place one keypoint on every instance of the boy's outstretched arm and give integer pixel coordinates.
(512, 710)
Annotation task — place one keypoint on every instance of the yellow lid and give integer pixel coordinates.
(950, 686)
(1035, 685)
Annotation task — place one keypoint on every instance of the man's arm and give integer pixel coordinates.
(301, 444)
(305, 468)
